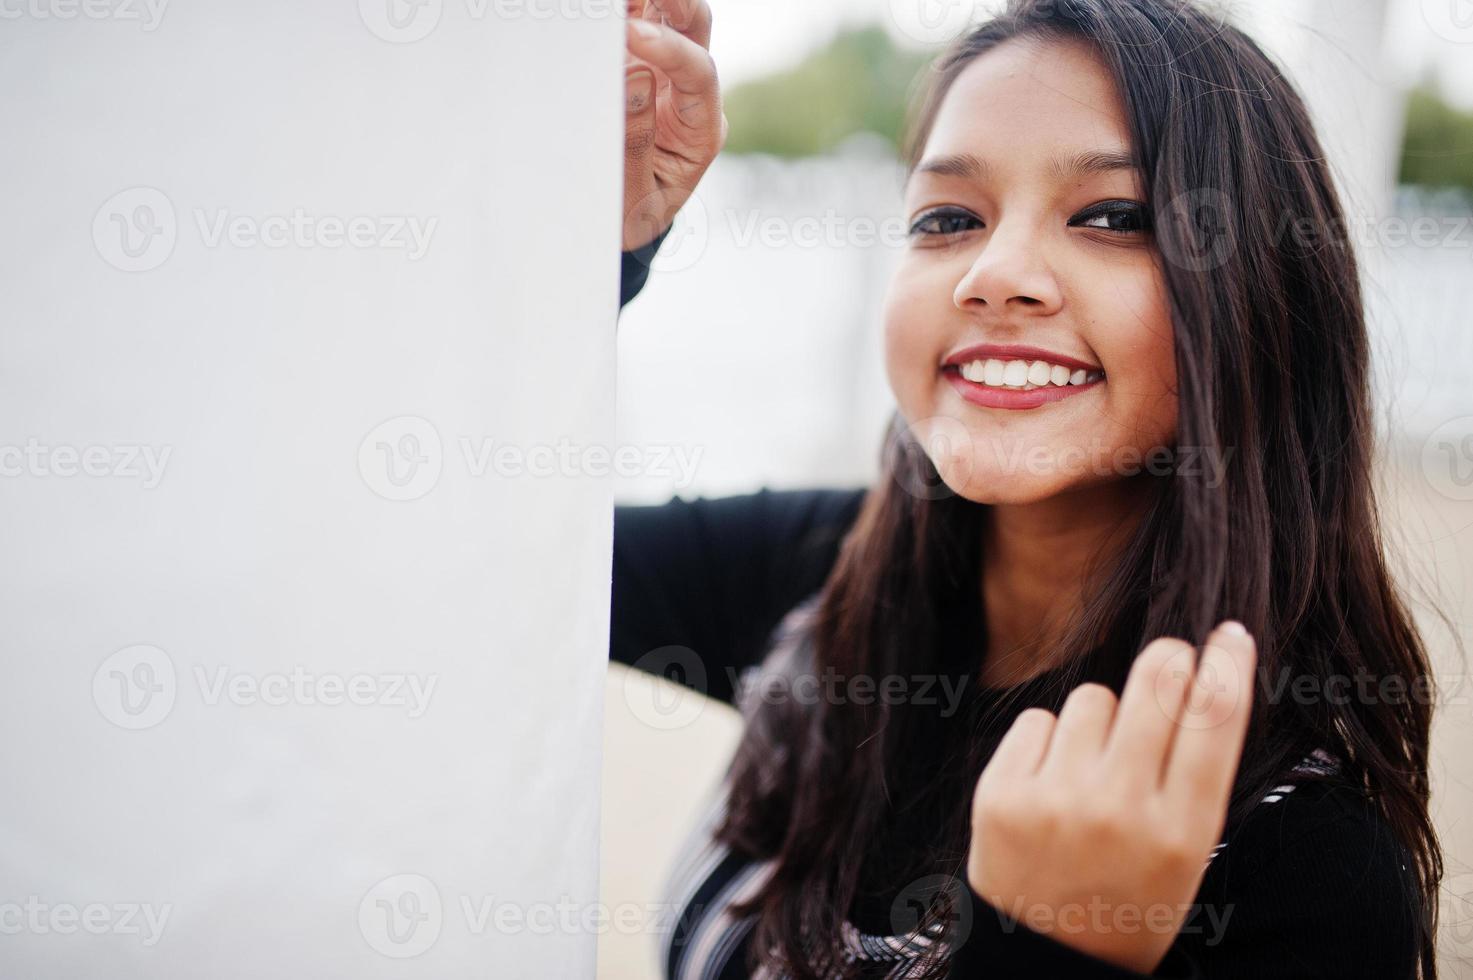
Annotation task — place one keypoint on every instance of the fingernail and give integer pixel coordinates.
(645, 29)
(1233, 627)
(641, 87)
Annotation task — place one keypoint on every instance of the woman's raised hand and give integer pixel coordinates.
(673, 123)
(1097, 825)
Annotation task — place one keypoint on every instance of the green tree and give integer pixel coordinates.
(1437, 150)
(860, 81)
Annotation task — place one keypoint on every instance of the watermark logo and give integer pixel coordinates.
(401, 916)
(401, 459)
(686, 243)
(135, 230)
(1451, 20)
(1447, 458)
(1211, 692)
(667, 706)
(932, 901)
(1196, 231)
(931, 21)
(135, 688)
(946, 443)
(401, 21)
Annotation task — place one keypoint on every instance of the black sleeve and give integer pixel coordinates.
(998, 947)
(634, 268)
(1314, 885)
(699, 585)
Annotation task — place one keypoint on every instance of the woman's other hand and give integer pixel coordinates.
(1099, 823)
(673, 123)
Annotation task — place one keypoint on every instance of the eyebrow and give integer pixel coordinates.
(969, 167)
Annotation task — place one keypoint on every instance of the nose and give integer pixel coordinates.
(1010, 271)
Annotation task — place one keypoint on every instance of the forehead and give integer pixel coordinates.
(1028, 101)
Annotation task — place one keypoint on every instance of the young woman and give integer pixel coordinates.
(1133, 423)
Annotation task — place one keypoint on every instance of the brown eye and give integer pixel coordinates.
(1120, 217)
(944, 222)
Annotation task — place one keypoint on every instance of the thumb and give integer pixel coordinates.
(642, 222)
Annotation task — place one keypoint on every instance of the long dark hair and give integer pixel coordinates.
(1272, 361)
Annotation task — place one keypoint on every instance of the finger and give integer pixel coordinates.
(635, 11)
(639, 147)
(1079, 736)
(1209, 738)
(1140, 740)
(690, 17)
(696, 93)
(1022, 748)
(639, 117)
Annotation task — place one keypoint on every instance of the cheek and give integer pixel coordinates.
(1141, 349)
(913, 342)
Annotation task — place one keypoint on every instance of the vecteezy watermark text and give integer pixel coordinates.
(403, 915)
(123, 461)
(828, 686)
(407, 21)
(146, 13)
(403, 459)
(390, 232)
(36, 917)
(137, 230)
(1099, 916)
(301, 687)
(137, 688)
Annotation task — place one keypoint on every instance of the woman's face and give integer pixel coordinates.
(1025, 215)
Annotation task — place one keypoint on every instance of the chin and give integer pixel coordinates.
(995, 487)
(990, 469)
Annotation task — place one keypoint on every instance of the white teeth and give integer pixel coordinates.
(1024, 375)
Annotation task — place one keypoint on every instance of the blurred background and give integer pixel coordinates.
(754, 350)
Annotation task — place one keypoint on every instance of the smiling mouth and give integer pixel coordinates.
(1014, 383)
(1006, 374)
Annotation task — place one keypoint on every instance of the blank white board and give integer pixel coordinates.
(305, 598)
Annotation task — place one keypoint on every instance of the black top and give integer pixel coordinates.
(1311, 884)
